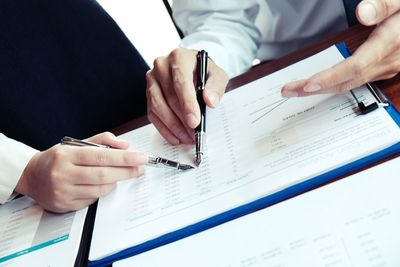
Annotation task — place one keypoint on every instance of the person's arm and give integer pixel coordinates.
(378, 58)
(14, 156)
(65, 178)
(226, 30)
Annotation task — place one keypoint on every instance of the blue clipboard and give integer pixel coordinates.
(262, 202)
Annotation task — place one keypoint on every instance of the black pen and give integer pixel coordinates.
(200, 130)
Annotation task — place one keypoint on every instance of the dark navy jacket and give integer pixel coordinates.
(65, 69)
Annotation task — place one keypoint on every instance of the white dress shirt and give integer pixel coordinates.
(235, 32)
(14, 156)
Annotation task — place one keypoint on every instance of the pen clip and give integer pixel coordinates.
(66, 140)
(202, 58)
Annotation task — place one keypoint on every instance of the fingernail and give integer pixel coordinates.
(289, 94)
(312, 88)
(367, 12)
(191, 120)
(214, 98)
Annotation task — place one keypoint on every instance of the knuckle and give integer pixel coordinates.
(127, 159)
(176, 53)
(58, 154)
(55, 176)
(108, 135)
(178, 78)
(177, 127)
(102, 175)
(82, 156)
(149, 78)
(189, 105)
(101, 158)
(158, 63)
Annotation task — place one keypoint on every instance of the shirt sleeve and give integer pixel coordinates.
(14, 156)
(225, 29)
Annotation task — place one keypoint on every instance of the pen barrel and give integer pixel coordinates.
(202, 125)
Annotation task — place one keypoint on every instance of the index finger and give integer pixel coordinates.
(351, 68)
(95, 156)
(182, 64)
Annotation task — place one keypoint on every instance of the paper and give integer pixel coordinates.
(258, 144)
(31, 236)
(352, 222)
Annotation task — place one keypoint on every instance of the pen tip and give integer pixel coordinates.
(197, 161)
(184, 167)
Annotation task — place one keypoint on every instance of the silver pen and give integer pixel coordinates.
(153, 160)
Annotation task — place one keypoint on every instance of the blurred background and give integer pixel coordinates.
(149, 27)
(147, 24)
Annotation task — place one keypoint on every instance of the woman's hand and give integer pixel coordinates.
(65, 178)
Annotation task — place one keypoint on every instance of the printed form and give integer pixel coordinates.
(258, 143)
(351, 222)
(31, 236)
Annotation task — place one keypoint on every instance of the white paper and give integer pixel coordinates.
(352, 222)
(258, 143)
(31, 236)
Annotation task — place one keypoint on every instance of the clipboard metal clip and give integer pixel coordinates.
(381, 100)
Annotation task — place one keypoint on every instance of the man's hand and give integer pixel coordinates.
(171, 95)
(377, 59)
(66, 178)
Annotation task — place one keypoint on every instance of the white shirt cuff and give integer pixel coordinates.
(14, 156)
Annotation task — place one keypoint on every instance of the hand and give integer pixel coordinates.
(66, 178)
(377, 59)
(171, 96)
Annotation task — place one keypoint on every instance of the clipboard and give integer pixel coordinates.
(268, 200)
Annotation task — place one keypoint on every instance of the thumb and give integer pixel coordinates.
(109, 139)
(215, 86)
(371, 12)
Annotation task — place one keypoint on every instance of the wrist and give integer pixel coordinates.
(23, 186)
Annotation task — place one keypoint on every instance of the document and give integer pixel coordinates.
(31, 236)
(258, 144)
(352, 222)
